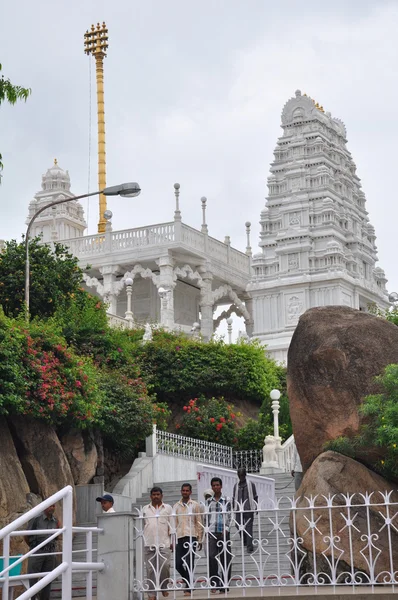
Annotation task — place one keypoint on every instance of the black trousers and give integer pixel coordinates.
(41, 564)
(247, 519)
(220, 560)
(185, 559)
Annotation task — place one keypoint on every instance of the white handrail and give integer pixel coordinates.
(35, 512)
(67, 565)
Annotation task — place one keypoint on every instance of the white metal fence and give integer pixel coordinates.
(342, 540)
(216, 454)
(50, 536)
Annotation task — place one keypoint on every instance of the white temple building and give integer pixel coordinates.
(317, 245)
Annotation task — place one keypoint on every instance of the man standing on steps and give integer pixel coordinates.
(157, 543)
(189, 534)
(42, 564)
(297, 470)
(218, 509)
(244, 500)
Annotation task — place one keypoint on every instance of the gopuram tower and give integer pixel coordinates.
(318, 247)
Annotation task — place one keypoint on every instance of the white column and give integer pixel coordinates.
(115, 549)
(110, 297)
(249, 323)
(206, 305)
(229, 329)
(129, 291)
(166, 291)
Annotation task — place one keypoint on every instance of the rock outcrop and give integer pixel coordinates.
(81, 452)
(360, 531)
(334, 356)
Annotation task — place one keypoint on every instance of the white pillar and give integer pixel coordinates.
(166, 286)
(177, 212)
(129, 291)
(248, 246)
(116, 551)
(229, 329)
(206, 305)
(110, 297)
(204, 228)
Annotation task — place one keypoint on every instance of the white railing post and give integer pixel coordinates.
(151, 443)
(6, 564)
(67, 545)
(89, 559)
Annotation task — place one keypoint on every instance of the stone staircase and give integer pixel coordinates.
(276, 562)
(79, 554)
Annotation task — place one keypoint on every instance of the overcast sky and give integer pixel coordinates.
(193, 94)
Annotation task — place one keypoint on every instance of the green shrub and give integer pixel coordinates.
(380, 429)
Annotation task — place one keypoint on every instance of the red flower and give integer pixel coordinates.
(212, 419)
(185, 408)
(78, 383)
(219, 426)
(222, 420)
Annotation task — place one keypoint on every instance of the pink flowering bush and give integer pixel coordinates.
(211, 419)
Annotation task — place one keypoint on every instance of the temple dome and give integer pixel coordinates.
(55, 179)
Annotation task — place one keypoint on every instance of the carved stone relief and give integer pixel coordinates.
(293, 261)
(294, 308)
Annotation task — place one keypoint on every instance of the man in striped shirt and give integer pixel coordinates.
(219, 544)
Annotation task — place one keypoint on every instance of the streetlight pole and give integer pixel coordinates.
(127, 190)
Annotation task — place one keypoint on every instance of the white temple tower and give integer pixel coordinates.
(61, 222)
(318, 247)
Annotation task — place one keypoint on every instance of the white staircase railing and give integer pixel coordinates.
(180, 446)
(67, 565)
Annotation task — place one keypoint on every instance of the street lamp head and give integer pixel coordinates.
(230, 321)
(126, 190)
(275, 394)
(108, 215)
(393, 297)
(129, 281)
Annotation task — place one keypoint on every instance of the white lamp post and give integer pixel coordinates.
(275, 395)
(129, 290)
(126, 190)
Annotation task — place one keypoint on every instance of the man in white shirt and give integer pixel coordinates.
(189, 534)
(106, 503)
(157, 542)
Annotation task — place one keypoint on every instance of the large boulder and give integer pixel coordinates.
(81, 452)
(13, 485)
(41, 455)
(360, 538)
(334, 356)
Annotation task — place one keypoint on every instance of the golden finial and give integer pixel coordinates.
(321, 109)
(55, 162)
(305, 94)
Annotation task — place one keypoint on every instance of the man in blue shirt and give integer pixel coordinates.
(218, 510)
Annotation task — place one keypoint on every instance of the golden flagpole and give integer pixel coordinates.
(96, 44)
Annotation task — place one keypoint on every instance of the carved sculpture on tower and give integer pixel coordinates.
(317, 245)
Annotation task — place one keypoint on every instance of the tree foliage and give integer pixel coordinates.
(55, 278)
(11, 93)
(180, 368)
(380, 428)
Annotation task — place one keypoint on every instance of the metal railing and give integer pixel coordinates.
(191, 448)
(65, 568)
(217, 454)
(346, 541)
